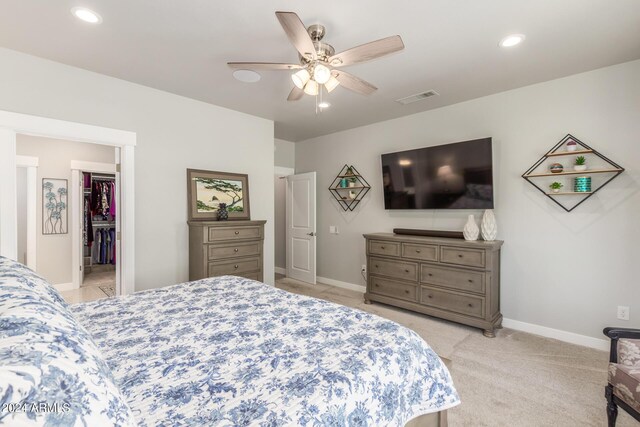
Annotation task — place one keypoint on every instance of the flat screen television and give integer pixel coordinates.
(451, 176)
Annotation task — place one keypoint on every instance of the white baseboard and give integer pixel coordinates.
(61, 287)
(281, 270)
(344, 285)
(570, 337)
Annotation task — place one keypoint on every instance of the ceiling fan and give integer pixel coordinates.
(319, 65)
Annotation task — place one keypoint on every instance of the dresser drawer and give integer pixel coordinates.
(380, 247)
(462, 256)
(394, 269)
(222, 251)
(233, 267)
(234, 233)
(421, 252)
(392, 289)
(452, 301)
(464, 280)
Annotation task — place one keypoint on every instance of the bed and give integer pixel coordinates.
(230, 351)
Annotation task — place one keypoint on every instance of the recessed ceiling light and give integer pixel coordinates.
(246, 76)
(86, 15)
(512, 40)
(324, 105)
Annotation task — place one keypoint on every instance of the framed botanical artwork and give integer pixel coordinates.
(54, 206)
(208, 189)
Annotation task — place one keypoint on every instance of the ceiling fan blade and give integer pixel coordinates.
(295, 94)
(353, 83)
(367, 52)
(263, 66)
(297, 33)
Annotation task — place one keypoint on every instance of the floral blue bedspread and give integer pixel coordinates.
(233, 352)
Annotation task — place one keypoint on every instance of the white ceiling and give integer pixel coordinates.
(182, 46)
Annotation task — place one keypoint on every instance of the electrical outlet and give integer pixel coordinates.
(364, 268)
(623, 312)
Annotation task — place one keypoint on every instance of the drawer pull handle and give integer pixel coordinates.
(430, 274)
(429, 296)
(235, 266)
(235, 250)
(406, 270)
(459, 255)
(406, 291)
(376, 266)
(377, 286)
(417, 251)
(381, 247)
(470, 305)
(470, 281)
(237, 232)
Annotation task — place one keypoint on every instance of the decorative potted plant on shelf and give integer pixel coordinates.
(580, 164)
(352, 181)
(556, 186)
(349, 171)
(572, 145)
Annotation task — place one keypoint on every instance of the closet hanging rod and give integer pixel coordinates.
(103, 225)
(98, 176)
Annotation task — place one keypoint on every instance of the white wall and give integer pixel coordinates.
(285, 153)
(561, 270)
(54, 161)
(173, 133)
(285, 162)
(21, 188)
(281, 216)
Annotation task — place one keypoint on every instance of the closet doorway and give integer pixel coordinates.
(96, 190)
(11, 125)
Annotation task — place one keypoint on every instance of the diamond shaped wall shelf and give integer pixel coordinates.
(605, 170)
(349, 187)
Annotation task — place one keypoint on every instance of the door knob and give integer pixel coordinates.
(311, 234)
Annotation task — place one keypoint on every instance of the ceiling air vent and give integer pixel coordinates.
(417, 97)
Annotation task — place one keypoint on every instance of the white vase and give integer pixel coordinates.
(471, 230)
(488, 226)
(580, 168)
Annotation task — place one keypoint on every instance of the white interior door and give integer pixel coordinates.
(301, 227)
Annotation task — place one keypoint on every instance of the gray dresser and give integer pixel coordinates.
(218, 248)
(452, 279)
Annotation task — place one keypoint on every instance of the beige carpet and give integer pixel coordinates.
(515, 379)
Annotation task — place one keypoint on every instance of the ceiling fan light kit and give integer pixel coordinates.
(300, 78)
(319, 63)
(321, 74)
(331, 84)
(311, 88)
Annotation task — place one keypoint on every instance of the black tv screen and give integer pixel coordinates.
(451, 176)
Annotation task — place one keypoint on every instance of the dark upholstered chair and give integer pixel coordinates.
(623, 389)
